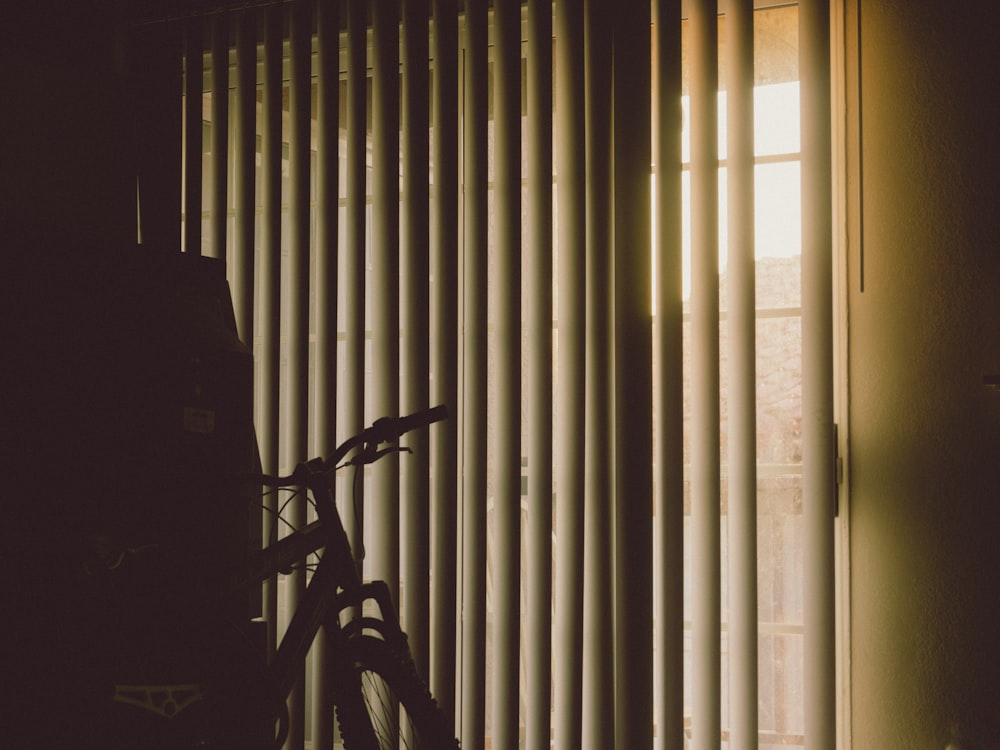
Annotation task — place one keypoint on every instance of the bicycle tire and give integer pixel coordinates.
(380, 676)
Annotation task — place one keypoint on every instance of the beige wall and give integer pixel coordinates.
(924, 432)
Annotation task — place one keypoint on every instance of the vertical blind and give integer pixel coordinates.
(553, 218)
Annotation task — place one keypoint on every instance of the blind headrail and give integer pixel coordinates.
(155, 13)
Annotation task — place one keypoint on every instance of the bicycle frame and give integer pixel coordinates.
(336, 584)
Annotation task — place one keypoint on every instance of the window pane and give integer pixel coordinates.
(776, 119)
(777, 210)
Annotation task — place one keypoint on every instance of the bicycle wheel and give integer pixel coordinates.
(383, 703)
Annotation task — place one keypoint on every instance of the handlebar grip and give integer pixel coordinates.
(430, 416)
(389, 429)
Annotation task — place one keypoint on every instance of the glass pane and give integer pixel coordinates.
(776, 119)
(778, 230)
(779, 581)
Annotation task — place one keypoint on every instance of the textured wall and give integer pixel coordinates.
(924, 432)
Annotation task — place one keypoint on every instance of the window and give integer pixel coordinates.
(472, 198)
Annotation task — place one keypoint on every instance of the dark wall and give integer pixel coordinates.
(66, 129)
(103, 346)
(91, 108)
(924, 431)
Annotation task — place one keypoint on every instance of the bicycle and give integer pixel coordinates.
(240, 700)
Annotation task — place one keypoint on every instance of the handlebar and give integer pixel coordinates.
(382, 430)
(390, 429)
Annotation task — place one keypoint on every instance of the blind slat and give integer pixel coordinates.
(444, 311)
(193, 72)
(220, 136)
(633, 387)
(384, 550)
(474, 416)
(326, 264)
(507, 390)
(669, 509)
(539, 390)
(414, 386)
(742, 428)
(268, 363)
(819, 482)
(705, 409)
(295, 313)
(327, 224)
(244, 158)
(598, 618)
(353, 395)
(571, 367)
